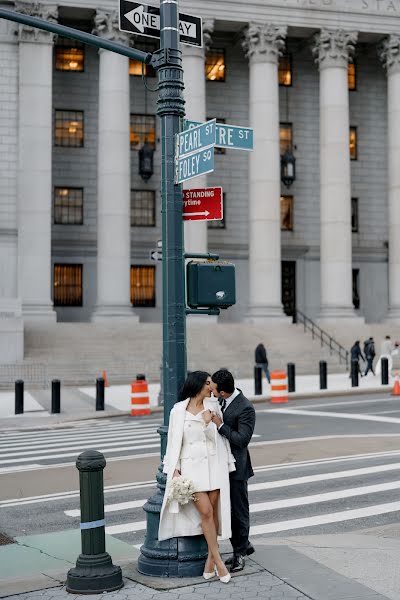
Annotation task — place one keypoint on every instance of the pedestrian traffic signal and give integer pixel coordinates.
(210, 284)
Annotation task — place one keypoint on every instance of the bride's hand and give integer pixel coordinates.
(176, 474)
(207, 416)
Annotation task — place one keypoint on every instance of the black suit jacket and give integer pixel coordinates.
(238, 428)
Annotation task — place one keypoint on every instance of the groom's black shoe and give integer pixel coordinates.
(250, 550)
(238, 564)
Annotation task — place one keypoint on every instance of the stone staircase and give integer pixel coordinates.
(77, 353)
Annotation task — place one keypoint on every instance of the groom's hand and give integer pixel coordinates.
(215, 419)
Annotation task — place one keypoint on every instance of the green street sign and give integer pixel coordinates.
(229, 136)
(198, 137)
(195, 164)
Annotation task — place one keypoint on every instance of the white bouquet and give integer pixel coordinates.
(182, 490)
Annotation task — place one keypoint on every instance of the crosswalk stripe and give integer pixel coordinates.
(270, 485)
(47, 434)
(69, 454)
(126, 527)
(111, 507)
(338, 517)
(337, 415)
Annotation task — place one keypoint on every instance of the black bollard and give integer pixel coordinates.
(323, 375)
(257, 381)
(55, 396)
(95, 572)
(384, 371)
(19, 397)
(291, 374)
(99, 393)
(354, 373)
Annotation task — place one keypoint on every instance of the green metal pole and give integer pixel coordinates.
(177, 557)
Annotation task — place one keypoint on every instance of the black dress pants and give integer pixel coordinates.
(240, 516)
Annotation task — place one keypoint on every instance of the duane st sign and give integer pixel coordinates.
(143, 19)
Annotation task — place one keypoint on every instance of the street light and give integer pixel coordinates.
(288, 168)
(146, 156)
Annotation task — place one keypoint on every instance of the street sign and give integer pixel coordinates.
(229, 136)
(193, 165)
(155, 255)
(136, 17)
(199, 137)
(204, 204)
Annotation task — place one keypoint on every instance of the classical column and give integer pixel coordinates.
(195, 108)
(389, 53)
(332, 50)
(11, 323)
(35, 163)
(113, 177)
(263, 44)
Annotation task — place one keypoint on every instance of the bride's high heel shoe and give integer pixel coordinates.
(223, 578)
(210, 575)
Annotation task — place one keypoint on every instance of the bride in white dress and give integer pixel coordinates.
(196, 451)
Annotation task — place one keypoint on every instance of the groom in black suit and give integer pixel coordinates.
(238, 423)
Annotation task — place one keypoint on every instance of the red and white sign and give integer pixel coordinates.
(203, 204)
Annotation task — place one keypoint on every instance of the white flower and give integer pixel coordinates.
(182, 490)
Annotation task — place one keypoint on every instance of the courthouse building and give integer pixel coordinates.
(317, 80)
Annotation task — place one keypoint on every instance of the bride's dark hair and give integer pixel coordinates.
(193, 384)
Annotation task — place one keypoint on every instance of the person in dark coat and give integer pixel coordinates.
(237, 426)
(261, 360)
(369, 353)
(356, 354)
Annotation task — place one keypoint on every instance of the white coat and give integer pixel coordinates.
(186, 521)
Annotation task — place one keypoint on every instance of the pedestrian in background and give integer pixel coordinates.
(395, 359)
(356, 354)
(386, 352)
(262, 360)
(369, 353)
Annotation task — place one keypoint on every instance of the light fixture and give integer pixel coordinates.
(288, 161)
(146, 160)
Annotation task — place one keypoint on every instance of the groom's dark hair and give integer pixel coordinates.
(224, 380)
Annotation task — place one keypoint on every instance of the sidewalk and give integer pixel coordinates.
(79, 403)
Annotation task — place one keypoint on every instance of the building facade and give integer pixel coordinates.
(320, 78)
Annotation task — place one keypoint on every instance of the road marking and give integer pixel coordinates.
(384, 412)
(339, 403)
(47, 435)
(338, 517)
(337, 415)
(126, 527)
(111, 507)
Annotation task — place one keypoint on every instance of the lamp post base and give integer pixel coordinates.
(94, 574)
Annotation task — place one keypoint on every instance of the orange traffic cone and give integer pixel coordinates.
(104, 376)
(396, 389)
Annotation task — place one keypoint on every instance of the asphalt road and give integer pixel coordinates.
(322, 466)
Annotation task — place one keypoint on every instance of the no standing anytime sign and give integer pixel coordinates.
(203, 204)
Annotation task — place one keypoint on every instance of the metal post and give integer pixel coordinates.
(95, 572)
(257, 381)
(291, 373)
(19, 397)
(99, 393)
(55, 396)
(323, 375)
(354, 373)
(384, 370)
(183, 557)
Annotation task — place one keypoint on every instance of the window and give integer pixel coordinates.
(286, 213)
(285, 70)
(68, 206)
(218, 150)
(354, 215)
(353, 143)
(143, 129)
(143, 208)
(285, 138)
(143, 285)
(135, 66)
(70, 58)
(215, 65)
(68, 285)
(69, 128)
(356, 291)
(352, 77)
(222, 223)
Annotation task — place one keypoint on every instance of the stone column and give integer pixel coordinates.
(263, 44)
(332, 50)
(389, 54)
(113, 177)
(34, 164)
(11, 323)
(196, 233)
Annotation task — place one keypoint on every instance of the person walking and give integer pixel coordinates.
(261, 360)
(356, 354)
(369, 353)
(386, 352)
(395, 360)
(237, 427)
(198, 453)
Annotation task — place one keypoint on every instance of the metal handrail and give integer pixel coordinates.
(326, 339)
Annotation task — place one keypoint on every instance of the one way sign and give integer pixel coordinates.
(136, 17)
